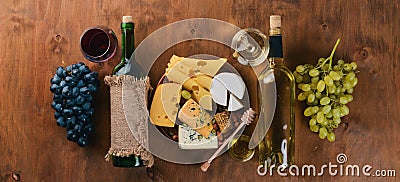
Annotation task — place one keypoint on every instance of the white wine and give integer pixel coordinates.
(278, 144)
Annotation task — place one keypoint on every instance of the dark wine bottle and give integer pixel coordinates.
(128, 65)
(127, 47)
(131, 161)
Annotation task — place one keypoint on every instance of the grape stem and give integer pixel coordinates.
(330, 57)
(62, 61)
(330, 61)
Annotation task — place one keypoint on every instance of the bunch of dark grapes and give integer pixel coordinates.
(73, 88)
(326, 89)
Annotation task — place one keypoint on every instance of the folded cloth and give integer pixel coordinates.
(123, 142)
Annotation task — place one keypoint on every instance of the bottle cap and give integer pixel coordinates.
(126, 19)
(275, 21)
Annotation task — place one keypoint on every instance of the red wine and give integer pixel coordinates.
(98, 44)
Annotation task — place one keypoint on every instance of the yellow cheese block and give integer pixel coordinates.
(190, 84)
(173, 74)
(206, 130)
(196, 117)
(192, 66)
(209, 67)
(176, 74)
(174, 60)
(179, 73)
(206, 102)
(164, 107)
(185, 69)
(199, 94)
(204, 80)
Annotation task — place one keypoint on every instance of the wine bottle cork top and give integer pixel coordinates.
(275, 21)
(126, 19)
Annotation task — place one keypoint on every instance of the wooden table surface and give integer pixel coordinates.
(37, 35)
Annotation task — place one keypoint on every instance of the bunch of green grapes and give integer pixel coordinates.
(326, 89)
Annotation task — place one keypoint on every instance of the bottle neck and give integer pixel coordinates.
(276, 50)
(128, 40)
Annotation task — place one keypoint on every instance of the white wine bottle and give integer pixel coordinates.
(278, 144)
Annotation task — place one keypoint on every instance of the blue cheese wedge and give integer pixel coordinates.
(190, 139)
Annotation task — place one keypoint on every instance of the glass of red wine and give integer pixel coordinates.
(98, 44)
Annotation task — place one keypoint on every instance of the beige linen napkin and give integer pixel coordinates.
(123, 142)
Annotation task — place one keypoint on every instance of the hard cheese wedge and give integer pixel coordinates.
(196, 117)
(206, 102)
(199, 94)
(204, 80)
(186, 70)
(173, 74)
(209, 67)
(206, 130)
(190, 139)
(202, 96)
(164, 107)
(190, 66)
(174, 60)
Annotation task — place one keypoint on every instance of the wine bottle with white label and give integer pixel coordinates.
(278, 144)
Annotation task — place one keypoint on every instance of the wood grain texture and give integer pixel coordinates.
(37, 35)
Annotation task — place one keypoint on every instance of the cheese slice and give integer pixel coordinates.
(189, 139)
(164, 107)
(209, 67)
(204, 80)
(196, 117)
(177, 76)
